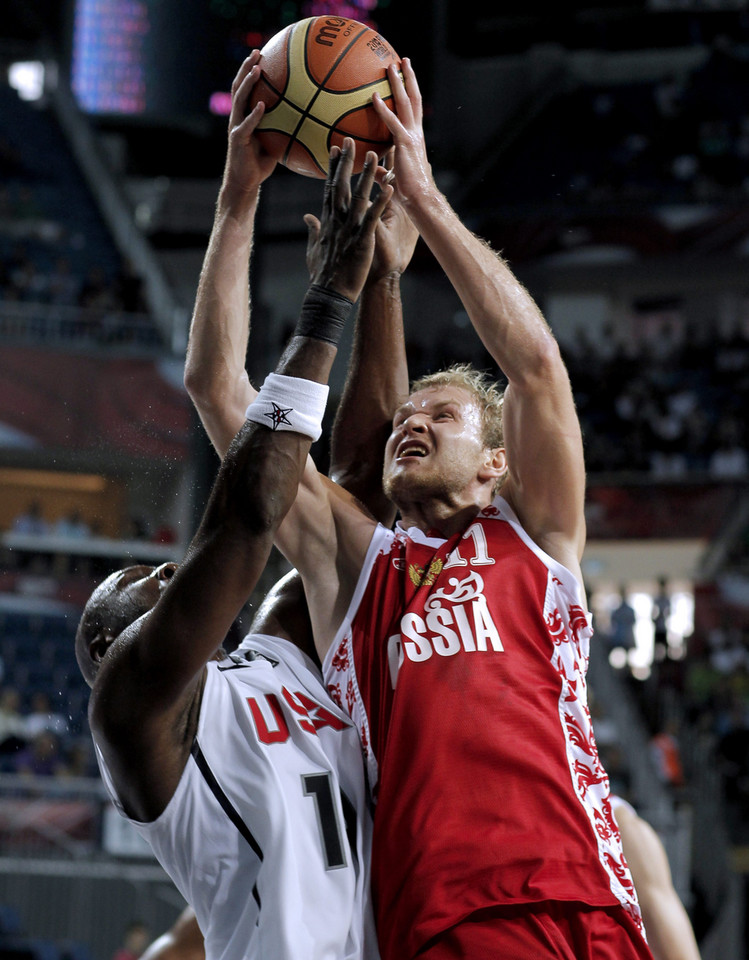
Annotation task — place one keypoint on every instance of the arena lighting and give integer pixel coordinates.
(220, 103)
(37, 481)
(108, 63)
(27, 79)
(680, 623)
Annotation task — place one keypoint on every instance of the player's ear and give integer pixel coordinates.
(495, 464)
(98, 647)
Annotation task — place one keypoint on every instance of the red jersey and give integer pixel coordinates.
(462, 663)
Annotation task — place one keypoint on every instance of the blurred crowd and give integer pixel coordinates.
(37, 740)
(42, 266)
(694, 699)
(715, 697)
(72, 525)
(669, 406)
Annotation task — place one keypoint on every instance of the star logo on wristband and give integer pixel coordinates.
(277, 416)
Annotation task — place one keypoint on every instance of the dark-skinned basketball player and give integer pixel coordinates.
(193, 746)
(217, 378)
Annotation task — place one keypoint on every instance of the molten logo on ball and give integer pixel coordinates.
(318, 77)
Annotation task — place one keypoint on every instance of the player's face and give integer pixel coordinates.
(118, 602)
(436, 446)
(135, 590)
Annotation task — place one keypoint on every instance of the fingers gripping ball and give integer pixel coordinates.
(318, 77)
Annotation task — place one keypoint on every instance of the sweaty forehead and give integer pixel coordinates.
(121, 578)
(440, 396)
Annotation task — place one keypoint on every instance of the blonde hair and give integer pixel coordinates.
(486, 392)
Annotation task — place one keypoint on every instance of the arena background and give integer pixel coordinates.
(604, 149)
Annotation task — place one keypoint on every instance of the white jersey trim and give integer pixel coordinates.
(564, 574)
(380, 543)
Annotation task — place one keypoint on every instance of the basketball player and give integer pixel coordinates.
(194, 746)
(458, 643)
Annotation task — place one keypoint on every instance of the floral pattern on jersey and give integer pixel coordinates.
(621, 870)
(569, 631)
(334, 689)
(580, 735)
(458, 590)
(606, 825)
(341, 660)
(350, 696)
(341, 664)
(589, 775)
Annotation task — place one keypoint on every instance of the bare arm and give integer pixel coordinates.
(215, 374)
(326, 533)
(377, 380)
(153, 670)
(546, 477)
(667, 925)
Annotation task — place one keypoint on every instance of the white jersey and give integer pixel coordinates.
(268, 833)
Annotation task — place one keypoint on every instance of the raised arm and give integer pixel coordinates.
(326, 533)
(215, 374)
(377, 381)
(546, 477)
(151, 669)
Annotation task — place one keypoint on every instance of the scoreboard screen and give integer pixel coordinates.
(147, 58)
(174, 60)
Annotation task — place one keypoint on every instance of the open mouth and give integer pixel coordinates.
(411, 450)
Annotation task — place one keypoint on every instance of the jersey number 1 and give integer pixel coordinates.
(318, 786)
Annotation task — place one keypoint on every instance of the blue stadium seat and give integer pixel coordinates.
(10, 921)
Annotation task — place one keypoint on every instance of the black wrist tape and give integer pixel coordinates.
(324, 312)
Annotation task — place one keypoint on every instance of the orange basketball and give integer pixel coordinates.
(318, 77)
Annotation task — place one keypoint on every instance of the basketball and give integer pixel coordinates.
(318, 77)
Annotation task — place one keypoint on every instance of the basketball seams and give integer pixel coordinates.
(303, 113)
(307, 116)
(280, 94)
(308, 73)
(287, 75)
(302, 146)
(380, 82)
(331, 105)
(341, 56)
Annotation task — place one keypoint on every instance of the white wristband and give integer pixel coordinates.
(290, 403)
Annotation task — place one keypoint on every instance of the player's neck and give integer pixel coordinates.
(437, 517)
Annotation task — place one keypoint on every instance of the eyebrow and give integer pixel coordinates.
(401, 410)
(438, 405)
(128, 575)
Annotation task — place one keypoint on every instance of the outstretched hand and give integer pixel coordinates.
(395, 236)
(412, 170)
(247, 164)
(340, 245)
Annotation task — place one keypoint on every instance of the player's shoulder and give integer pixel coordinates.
(344, 503)
(265, 652)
